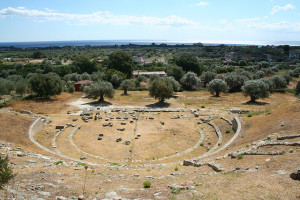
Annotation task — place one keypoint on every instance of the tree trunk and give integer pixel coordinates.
(162, 100)
(101, 98)
(125, 91)
(253, 98)
(217, 94)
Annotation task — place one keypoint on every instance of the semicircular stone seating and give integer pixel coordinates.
(39, 123)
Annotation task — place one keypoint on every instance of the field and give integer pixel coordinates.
(155, 142)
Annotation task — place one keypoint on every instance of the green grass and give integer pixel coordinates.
(82, 164)
(175, 191)
(147, 184)
(114, 164)
(58, 162)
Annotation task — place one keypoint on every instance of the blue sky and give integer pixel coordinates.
(190, 20)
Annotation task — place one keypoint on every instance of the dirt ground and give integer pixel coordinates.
(46, 176)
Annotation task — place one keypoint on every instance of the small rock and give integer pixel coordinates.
(280, 172)
(82, 158)
(296, 175)
(60, 198)
(268, 159)
(81, 197)
(291, 150)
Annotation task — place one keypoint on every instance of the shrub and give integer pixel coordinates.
(58, 162)
(176, 168)
(202, 106)
(71, 89)
(175, 191)
(240, 157)
(6, 172)
(147, 184)
(201, 144)
(249, 115)
(227, 131)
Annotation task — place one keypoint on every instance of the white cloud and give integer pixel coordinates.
(222, 21)
(202, 3)
(96, 17)
(247, 20)
(277, 9)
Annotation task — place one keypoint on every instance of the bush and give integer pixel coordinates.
(240, 157)
(202, 106)
(147, 184)
(249, 115)
(6, 172)
(176, 168)
(227, 131)
(71, 89)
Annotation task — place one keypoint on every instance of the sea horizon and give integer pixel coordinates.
(62, 43)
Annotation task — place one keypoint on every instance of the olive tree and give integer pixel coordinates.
(175, 71)
(125, 85)
(141, 78)
(176, 84)
(206, 77)
(161, 89)
(46, 85)
(217, 86)
(255, 89)
(279, 82)
(116, 80)
(189, 81)
(22, 87)
(235, 81)
(102, 88)
(259, 74)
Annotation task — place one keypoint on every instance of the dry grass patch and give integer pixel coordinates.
(56, 104)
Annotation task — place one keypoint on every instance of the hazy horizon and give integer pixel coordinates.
(191, 20)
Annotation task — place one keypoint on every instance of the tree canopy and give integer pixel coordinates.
(189, 62)
(46, 85)
(121, 61)
(102, 88)
(161, 89)
(84, 64)
(189, 81)
(125, 85)
(217, 86)
(255, 89)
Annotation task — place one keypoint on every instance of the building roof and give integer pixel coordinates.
(148, 73)
(83, 82)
